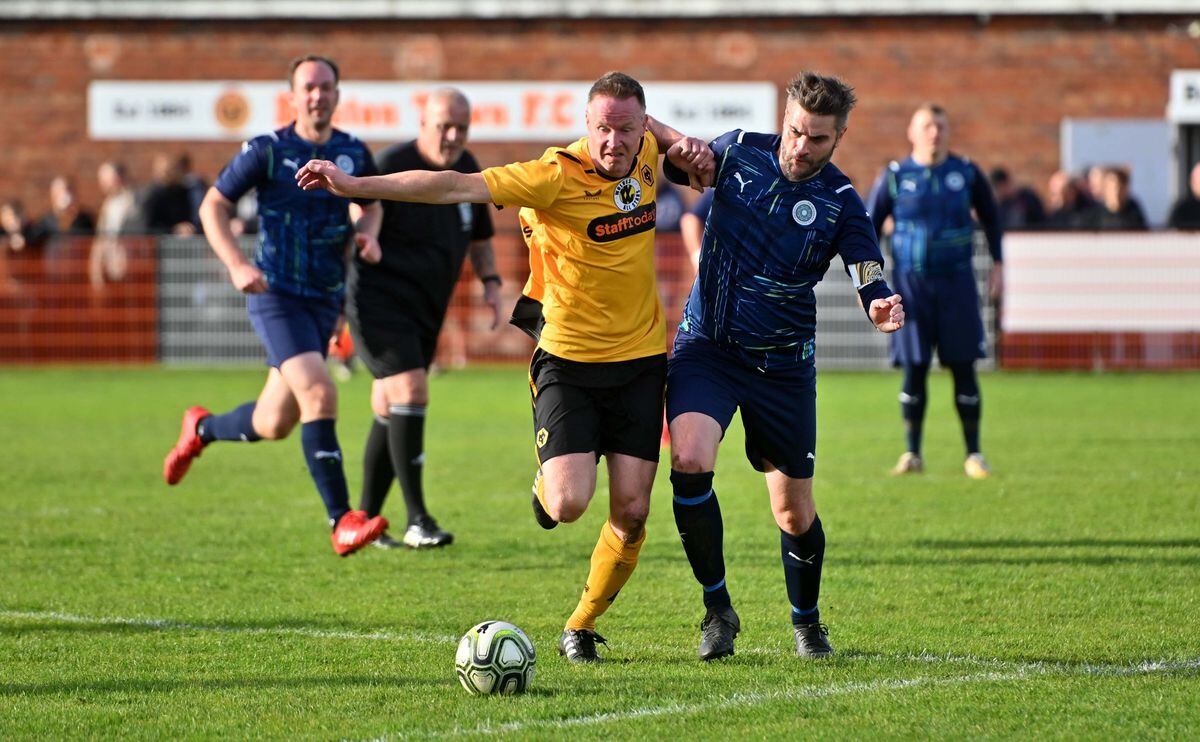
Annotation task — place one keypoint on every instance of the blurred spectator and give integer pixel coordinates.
(1066, 202)
(118, 216)
(691, 226)
(56, 232)
(165, 202)
(1019, 207)
(16, 233)
(1116, 210)
(669, 206)
(66, 216)
(245, 215)
(1093, 180)
(195, 186)
(16, 243)
(1185, 214)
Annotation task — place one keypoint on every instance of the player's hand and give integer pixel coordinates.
(248, 279)
(368, 248)
(693, 156)
(996, 281)
(491, 297)
(887, 314)
(324, 174)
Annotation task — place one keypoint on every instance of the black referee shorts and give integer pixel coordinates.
(387, 338)
(614, 407)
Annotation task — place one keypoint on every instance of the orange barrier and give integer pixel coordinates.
(53, 310)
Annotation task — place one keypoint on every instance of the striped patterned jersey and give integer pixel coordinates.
(768, 241)
(303, 236)
(931, 208)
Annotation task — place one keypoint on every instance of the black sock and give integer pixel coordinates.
(324, 458)
(378, 472)
(406, 442)
(968, 402)
(698, 518)
(913, 395)
(802, 559)
(235, 425)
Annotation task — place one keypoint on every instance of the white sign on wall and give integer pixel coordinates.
(501, 112)
(1184, 105)
(1101, 282)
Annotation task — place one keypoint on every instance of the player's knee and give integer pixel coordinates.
(318, 399)
(795, 520)
(631, 518)
(689, 461)
(273, 427)
(565, 509)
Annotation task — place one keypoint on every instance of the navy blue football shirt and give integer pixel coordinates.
(931, 208)
(303, 235)
(768, 241)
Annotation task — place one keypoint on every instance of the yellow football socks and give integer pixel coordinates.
(613, 562)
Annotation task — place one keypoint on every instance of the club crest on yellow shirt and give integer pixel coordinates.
(628, 194)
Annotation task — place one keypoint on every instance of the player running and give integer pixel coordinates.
(780, 213)
(598, 372)
(294, 291)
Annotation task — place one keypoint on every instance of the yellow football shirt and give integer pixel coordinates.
(596, 239)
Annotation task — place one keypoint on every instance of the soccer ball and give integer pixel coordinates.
(495, 657)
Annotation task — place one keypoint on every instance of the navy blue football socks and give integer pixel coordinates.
(803, 556)
(698, 518)
(324, 458)
(968, 402)
(913, 396)
(235, 425)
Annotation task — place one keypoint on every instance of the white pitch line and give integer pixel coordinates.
(166, 624)
(1020, 672)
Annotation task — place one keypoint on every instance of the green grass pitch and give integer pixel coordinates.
(1061, 598)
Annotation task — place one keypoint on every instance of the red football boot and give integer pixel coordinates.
(355, 530)
(187, 447)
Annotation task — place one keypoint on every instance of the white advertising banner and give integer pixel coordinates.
(1184, 106)
(385, 111)
(1089, 282)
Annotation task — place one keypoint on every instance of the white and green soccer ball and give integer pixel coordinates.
(495, 657)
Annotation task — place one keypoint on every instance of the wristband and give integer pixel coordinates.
(491, 277)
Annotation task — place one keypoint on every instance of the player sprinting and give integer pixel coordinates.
(930, 196)
(598, 372)
(294, 291)
(781, 212)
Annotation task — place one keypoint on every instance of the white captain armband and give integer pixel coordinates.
(866, 273)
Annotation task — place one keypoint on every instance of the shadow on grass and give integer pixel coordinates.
(1022, 552)
(1069, 543)
(146, 685)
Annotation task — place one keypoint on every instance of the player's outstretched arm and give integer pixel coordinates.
(419, 186)
(887, 314)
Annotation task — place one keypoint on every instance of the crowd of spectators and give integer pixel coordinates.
(1098, 199)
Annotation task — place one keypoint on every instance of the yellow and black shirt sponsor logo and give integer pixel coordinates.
(615, 226)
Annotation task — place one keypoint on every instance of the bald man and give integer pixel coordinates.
(396, 307)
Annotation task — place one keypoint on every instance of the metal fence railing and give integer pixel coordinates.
(1073, 301)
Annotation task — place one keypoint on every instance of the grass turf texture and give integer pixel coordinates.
(1059, 598)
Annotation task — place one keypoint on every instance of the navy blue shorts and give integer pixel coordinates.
(939, 312)
(779, 411)
(290, 325)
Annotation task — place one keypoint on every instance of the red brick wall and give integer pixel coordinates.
(1007, 83)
